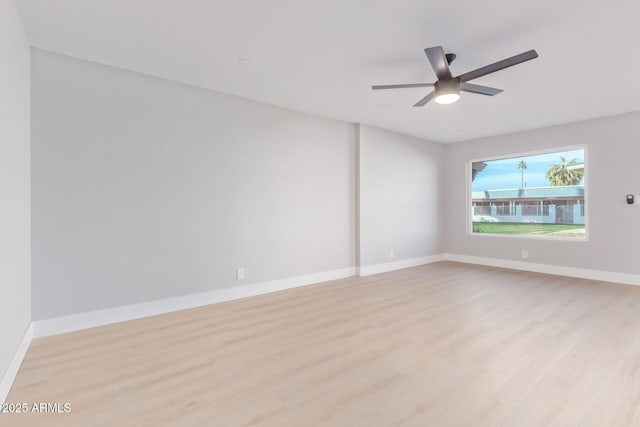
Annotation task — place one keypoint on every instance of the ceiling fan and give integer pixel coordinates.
(447, 89)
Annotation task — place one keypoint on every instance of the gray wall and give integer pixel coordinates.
(613, 150)
(144, 189)
(15, 288)
(400, 197)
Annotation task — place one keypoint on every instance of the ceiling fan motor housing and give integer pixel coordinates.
(450, 57)
(447, 86)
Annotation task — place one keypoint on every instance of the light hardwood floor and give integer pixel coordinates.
(445, 344)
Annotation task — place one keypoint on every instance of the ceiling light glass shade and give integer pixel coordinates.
(447, 98)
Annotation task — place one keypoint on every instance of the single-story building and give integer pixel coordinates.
(560, 205)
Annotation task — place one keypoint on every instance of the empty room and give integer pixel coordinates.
(319, 213)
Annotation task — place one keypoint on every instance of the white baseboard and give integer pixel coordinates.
(12, 370)
(368, 270)
(582, 273)
(108, 316)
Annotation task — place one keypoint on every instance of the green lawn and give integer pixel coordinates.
(512, 228)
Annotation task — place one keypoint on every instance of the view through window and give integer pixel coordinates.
(534, 195)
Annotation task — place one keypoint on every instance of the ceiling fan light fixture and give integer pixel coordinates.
(447, 88)
(447, 98)
(447, 91)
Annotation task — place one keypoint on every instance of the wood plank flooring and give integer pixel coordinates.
(445, 344)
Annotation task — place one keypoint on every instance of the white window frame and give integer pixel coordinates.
(587, 203)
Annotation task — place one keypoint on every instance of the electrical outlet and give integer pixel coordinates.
(240, 274)
(392, 254)
(525, 253)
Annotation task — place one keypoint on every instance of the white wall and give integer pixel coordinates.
(145, 189)
(400, 197)
(613, 150)
(15, 312)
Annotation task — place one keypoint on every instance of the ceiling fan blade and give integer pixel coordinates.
(497, 66)
(377, 87)
(424, 100)
(439, 62)
(482, 90)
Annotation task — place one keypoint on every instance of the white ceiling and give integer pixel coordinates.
(322, 56)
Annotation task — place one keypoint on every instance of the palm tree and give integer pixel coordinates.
(521, 167)
(559, 175)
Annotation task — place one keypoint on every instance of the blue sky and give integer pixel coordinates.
(502, 174)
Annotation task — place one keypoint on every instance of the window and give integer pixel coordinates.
(534, 208)
(504, 208)
(540, 195)
(482, 209)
